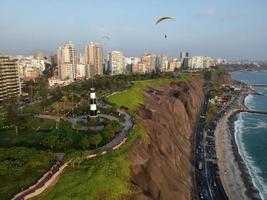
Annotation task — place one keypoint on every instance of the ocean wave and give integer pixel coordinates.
(249, 101)
(260, 124)
(253, 170)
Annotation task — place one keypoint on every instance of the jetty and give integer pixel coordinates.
(259, 85)
(253, 111)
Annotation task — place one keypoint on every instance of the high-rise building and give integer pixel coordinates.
(81, 58)
(129, 62)
(184, 56)
(165, 63)
(66, 56)
(175, 64)
(9, 78)
(116, 62)
(29, 67)
(200, 62)
(93, 59)
(149, 60)
(138, 68)
(80, 72)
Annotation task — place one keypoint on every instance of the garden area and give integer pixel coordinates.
(20, 168)
(58, 136)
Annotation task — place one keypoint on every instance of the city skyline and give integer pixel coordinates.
(217, 29)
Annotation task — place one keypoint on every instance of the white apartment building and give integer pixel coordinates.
(29, 67)
(80, 71)
(200, 62)
(93, 54)
(116, 63)
(9, 78)
(66, 56)
(129, 62)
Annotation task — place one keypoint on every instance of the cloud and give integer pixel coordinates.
(208, 13)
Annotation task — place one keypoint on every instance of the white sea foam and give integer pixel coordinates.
(259, 125)
(254, 171)
(249, 101)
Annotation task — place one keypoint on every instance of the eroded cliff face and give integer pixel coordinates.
(224, 78)
(162, 166)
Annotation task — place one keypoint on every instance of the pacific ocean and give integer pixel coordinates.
(251, 131)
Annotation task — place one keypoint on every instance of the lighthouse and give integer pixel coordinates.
(93, 111)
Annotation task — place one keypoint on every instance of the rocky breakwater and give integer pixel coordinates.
(162, 165)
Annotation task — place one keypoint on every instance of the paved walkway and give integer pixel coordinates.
(74, 120)
(127, 125)
(50, 177)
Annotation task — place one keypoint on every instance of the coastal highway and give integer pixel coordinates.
(208, 182)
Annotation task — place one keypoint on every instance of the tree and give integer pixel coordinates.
(12, 114)
(207, 75)
(64, 99)
(56, 107)
(42, 85)
(51, 140)
(85, 143)
(96, 139)
(78, 126)
(108, 133)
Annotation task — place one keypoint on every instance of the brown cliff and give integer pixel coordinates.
(162, 166)
(223, 78)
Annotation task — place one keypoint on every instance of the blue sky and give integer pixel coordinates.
(233, 29)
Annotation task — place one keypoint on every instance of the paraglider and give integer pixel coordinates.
(163, 19)
(106, 37)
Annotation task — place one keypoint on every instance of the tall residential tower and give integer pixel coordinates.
(116, 63)
(93, 59)
(66, 56)
(9, 78)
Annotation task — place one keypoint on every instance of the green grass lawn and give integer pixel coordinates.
(20, 168)
(133, 97)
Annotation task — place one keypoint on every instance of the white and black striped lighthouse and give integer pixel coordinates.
(93, 111)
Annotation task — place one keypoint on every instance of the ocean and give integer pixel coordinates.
(251, 131)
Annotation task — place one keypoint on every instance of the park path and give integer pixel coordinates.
(127, 125)
(53, 174)
(74, 120)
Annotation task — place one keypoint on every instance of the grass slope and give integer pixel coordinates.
(20, 168)
(133, 97)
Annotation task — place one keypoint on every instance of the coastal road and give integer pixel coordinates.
(209, 185)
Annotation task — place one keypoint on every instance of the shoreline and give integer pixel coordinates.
(234, 173)
(251, 191)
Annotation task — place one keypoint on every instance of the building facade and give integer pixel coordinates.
(149, 60)
(130, 62)
(184, 57)
(66, 56)
(93, 54)
(116, 63)
(9, 78)
(200, 62)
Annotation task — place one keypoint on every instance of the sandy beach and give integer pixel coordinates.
(233, 171)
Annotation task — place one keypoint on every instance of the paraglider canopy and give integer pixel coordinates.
(164, 18)
(105, 37)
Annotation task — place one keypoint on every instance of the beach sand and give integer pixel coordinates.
(233, 172)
